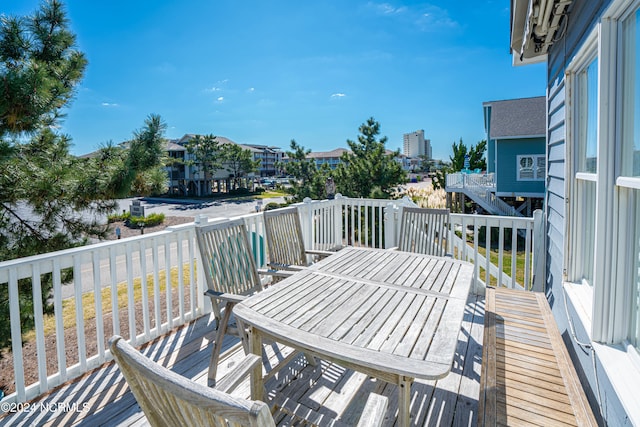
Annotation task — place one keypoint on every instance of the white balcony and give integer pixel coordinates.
(106, 298)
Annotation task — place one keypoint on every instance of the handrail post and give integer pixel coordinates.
(337, 220)
(539, 260)
(201, 285)
(390, 222)
(307, 224)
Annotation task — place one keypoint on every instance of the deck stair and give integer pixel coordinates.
(481, 189)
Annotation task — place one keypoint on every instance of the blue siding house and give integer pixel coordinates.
(592, 202)
(514, 182)
(516, 139)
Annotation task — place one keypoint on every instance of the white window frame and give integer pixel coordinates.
(534, 158)
(575, 227)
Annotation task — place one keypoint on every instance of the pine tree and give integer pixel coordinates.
(309, 180)
(369, 171)
(49, 199)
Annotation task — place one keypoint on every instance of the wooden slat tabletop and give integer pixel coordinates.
(386, 311)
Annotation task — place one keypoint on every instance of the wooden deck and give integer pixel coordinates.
(527, 375)
(102, 396)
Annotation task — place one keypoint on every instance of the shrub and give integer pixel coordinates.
(148, 221)
(274, 205)
(124, 216)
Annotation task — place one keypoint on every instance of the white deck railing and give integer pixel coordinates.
(106, 296)
(481, 188)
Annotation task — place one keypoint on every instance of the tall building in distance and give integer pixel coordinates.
(415, 145)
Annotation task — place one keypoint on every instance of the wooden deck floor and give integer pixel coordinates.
(102, 396)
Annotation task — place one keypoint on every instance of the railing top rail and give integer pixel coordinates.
(92, 247)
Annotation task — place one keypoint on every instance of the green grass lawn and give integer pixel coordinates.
(89, 304)
(506, 263)
(270, 193)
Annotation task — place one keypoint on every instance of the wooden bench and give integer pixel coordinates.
(527, 375)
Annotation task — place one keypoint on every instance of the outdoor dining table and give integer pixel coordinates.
(389, 314)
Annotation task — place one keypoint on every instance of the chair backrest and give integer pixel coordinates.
(424, 231)
(227, 258)
(283, 231)
(169, 399)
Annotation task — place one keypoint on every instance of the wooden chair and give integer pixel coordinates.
(424, 231)
(285, 244)
(169, 399)
(230, 273)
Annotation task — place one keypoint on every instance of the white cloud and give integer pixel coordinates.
(110, 104)
(387, 9)
(217, 86)
(337, 95)
(426, 18)
(251, 90)
(434, 18)
(220, 99)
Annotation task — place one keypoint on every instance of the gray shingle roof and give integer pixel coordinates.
(522, 117)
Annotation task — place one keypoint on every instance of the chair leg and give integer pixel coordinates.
(311, 360)
(244, 337)
(217, 346)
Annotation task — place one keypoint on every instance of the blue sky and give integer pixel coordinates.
(266, 72)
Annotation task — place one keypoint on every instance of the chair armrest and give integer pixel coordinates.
(273, 272)
(374, 411)
(319, 252)
(287, 267)
(238, 374)
(232, 298)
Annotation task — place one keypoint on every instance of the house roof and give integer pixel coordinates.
(221, 139)
(173, 146)
(512, 118)
(322, 154)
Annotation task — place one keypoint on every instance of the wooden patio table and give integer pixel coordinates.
(389, 314)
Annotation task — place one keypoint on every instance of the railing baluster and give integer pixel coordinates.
(97, 293)
(487, 246)
(131, 308)
(156, 287)
(500, 254)
(514, 253)
(180, 280)
(146, 322)
(38, 318)
(115, 311)
(527, 256)
(57, 310)
(192, 280)
(168, 290)
(366, 223)
(476, 238)
(77, 284)
(16, 335)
